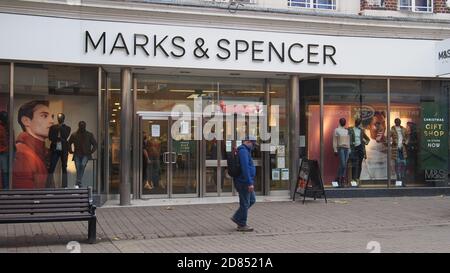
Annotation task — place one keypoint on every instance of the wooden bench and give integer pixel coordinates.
(49, 205)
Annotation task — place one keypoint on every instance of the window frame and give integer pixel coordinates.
(312, 4)
(414, 8)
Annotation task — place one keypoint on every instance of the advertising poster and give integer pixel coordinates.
(275, 174)
(156, 130)
(285, 174)
(434, 145)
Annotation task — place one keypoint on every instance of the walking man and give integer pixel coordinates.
(244, 184)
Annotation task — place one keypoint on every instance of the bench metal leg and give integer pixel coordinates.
(92, 230)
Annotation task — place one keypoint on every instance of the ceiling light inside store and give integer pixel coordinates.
(193, 96)
(191, 91)
(117, 103)
(254, 92)
(114, 110)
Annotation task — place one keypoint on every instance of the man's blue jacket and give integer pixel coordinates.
(248, 170)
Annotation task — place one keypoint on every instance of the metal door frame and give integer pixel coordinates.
(143, 116)
(167, 116)
(198, 151)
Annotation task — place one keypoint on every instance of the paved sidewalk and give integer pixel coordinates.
(408, 224)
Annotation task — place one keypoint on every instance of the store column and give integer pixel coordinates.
(294, 129)
(125, 136)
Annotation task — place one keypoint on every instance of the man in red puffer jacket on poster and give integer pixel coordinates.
(30, 168)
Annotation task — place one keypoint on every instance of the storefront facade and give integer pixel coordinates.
(124, 77)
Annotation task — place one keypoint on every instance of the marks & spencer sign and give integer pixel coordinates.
(222, 49)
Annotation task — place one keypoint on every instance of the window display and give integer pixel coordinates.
(415, 129)
(419, 119)
(354, 128)
(41, 94)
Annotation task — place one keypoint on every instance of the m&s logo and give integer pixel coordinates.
(443, 55)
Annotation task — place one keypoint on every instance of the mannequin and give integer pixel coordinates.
(85, 145)
(59, 149)
(341, 146)
(399, 153)
(358, 142)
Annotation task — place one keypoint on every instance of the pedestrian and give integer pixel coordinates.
(244, 184)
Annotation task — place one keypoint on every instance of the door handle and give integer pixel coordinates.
(166, 157)
(174, 160)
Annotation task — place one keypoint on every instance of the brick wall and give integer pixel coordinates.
(440, 7)
(385, 5)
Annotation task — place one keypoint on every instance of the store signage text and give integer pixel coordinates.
(443, 55)
(434, 142)
(224, 49)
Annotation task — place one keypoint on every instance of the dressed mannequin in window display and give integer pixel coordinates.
(358, 142)
(341, 146)
(85, 145)
(399, 153)
(4, 151)
(59, 149)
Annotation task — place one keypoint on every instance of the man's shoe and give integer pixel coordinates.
(236, 222)
(245, 228)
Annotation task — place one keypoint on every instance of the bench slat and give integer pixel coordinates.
(33, 219)
(44, 191)
(33, 197)
(43, 210)
(43, 206)
(44, 201)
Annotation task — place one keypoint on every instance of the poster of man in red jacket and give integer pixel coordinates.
(30, 168)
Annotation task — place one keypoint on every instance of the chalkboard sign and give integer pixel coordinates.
(309, 182)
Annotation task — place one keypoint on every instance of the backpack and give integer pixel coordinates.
(234, 166)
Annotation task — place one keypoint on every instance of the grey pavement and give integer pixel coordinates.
(402, 224)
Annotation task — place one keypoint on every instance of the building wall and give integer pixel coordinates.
(439, 6)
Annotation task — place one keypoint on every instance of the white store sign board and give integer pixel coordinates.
(50, 39)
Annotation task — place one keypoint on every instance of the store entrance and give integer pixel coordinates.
(169, 157)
